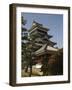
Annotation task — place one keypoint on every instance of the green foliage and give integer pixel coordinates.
(23, 21)
(27, 50)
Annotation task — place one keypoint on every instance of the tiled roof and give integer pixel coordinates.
(38, 25)
(45, 48)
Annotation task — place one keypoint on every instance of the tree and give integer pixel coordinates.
(24, 40)
(28, 48)
(23, 21)
(44, 67)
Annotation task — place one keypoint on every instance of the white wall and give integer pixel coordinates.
(4, 44)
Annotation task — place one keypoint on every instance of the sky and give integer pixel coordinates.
(52, 21)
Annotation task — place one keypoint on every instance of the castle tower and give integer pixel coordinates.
(41, 33)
